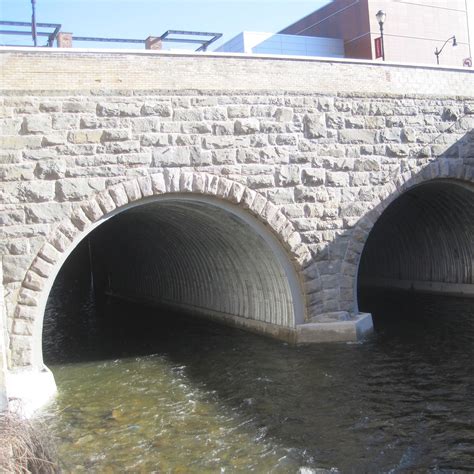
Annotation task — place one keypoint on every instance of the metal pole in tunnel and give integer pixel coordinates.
(91, 268)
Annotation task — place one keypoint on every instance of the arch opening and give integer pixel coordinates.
(184, 254)
(422, 244)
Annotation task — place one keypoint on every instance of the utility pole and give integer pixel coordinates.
(33, 22)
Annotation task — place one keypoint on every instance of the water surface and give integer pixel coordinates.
(187, 396)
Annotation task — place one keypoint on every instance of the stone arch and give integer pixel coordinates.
(442, 170)
(25, 340)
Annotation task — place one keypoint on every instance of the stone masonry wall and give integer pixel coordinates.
(328, 162)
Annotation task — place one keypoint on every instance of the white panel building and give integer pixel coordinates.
(270, 43)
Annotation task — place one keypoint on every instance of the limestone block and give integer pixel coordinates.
(395, 150)
(246, 126)
(314, 126)
(223, 187)
(172, 179)
(22, 327)
(118, 110)
(200, 157)
(177, 156)
(49, 253)
(41, 267)
(218, 142)
(92, 210)
(269, 211)
(116, 135)
(78, 106)
(212, 182)
(160, 109)
(283, 114)
(184, 140)
(355, 122)
(247, 156)
(224, 157)
(287, 139)
(54, 139)
(74, 189)
(37, 124)
(120, 147)
(50, 107)
(133, 190)
(238, 111)
(19, 172)
(196, 127)
(313, 176)
(236, 192)
(261, 181)
(10, 126)
(50, 169)
(21, 350)
(89, 121)
(155, 139)
(337, 178)
(248, 198)
(215, 113)
(14, 246)
(225, 128)
(33, 281)
(65, 122)
(9, 157)
(281, 195)
(14, 267)
(28, 297)
(158, 183)
(186, 182)
(78, 219)
(306, 194)
(258, 204)
(335, 120)
(46, 212)
(199, 183)
(145, 185)
(131, 159)
(19, 142)
(357, 136)
(390, 135)
(193, 115)
(36, 191)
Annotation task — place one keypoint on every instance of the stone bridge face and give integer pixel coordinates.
(262, 192)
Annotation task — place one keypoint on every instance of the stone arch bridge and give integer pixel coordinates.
(258, 191)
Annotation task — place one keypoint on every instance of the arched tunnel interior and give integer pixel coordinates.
(421, 248)
(149, 265)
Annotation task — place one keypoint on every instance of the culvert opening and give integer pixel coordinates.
(163, 260)
(420, 254)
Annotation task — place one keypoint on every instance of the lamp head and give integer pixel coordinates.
(455, 43)
(380, 15)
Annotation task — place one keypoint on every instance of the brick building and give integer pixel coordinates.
(412, 29)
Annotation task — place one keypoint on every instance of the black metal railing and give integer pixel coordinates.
(51, 35)
(170, 36)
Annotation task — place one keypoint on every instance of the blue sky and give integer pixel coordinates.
(142, 18)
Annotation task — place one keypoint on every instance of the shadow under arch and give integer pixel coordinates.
(423, 241)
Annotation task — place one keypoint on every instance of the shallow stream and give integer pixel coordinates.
(187, 396)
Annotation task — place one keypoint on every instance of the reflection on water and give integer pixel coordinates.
(192, 396)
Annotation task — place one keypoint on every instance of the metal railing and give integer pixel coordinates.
(170, 36)
(51, 35)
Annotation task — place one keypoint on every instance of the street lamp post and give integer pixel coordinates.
(33, 22)
(438, 52)
(380, 15)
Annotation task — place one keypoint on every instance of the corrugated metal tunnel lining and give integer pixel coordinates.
(425, 235)
(193, 256)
